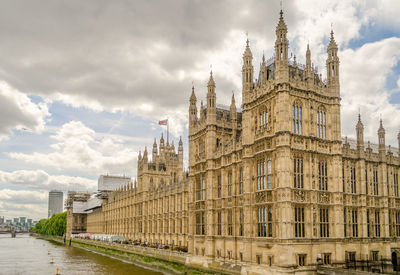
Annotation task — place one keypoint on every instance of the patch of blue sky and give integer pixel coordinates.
(372, 33)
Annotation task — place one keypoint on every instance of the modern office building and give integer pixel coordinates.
(55, 202)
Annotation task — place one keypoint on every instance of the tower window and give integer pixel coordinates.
(299, 222)
(323, 175)
(354, 222)
(219, 223)
(324, 222)
(321, 124)
(230, 223)
(297, 119)
(298, 172)
(230, 187)
(264, 221)
(260, 174)
(375, 181)
(353, 179)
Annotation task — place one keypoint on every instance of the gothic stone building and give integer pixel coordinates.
(274, 184)
(153, 209)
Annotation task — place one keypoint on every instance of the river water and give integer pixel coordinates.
(28, 255)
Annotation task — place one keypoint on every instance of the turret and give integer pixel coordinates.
(180, 146)
(308, 59)
(192, 109)
(247, 71)
(281, 50)
(360, 134)
(154, 150)
(332, 65)
(162, 146)
(398, 140)
(202, 112)
(211, 101)
(263, 71)
(381, 138)
(145, 156)
(233, 109)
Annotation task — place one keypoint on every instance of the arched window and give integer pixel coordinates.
(297, 118)
(321, 123)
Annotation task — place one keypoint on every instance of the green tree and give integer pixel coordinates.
(55, 225)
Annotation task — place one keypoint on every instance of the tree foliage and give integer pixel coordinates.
(55, 226)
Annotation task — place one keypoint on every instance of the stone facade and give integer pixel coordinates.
(152, 209)
(272, 187)
(274, 184)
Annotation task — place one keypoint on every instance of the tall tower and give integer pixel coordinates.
(332, 66)
(281, 50)
(55, 202)
(247, 72)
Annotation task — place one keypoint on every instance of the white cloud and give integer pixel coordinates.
(23, 203)
(364, 72)
(17, 111)
(79, 148)
(38, 179)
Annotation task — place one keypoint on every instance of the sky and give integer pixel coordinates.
(83, 84)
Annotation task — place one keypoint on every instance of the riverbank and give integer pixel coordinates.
(166, 261)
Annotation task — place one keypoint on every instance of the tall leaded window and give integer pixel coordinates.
(241, 222)
(219, 186)
(345, 222)
(241, 180)
(297, 118)
(368, 224)
(200, 188)
(299, 222)
(353, 179)
(200, 223)
(354, 222)
(398, 223)
(375, 181)
(219, 223)
(261, 222)
(366, 181)
(396, 184)
(324, 222)
(263, 119)
(343, 179)
(323, 175)
(264, 221)
(229, 184)
(298, 172)
(321, 124)
(269, 173)
(377, 225)
(230, 223)
(260, 174)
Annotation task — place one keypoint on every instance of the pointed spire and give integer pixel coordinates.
(332, 42)
(233, 99)
(281, 23)
(263, 59)
(211, 82)
(193, 96)
(180, 141)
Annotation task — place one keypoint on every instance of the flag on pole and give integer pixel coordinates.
(163, 122)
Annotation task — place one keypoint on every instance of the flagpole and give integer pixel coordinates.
(167, 130)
